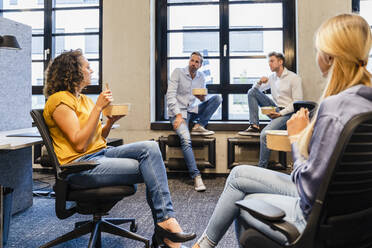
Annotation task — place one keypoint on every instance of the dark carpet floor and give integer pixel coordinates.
(39, 224)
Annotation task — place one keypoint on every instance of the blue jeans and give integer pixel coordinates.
(279, 123)
(253, 182)
(130, 164)
(205, 111)
(257, 98)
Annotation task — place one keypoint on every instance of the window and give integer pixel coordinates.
(364, 7)
(240, 42)
(59, 25)
(91, 41)
(234, 38)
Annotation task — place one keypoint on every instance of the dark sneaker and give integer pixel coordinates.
(199, 130)
(273, 165)
(251, 130)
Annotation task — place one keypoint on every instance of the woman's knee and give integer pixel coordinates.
(243, 174)
(151, 146)
(237, 170)
(235, 173)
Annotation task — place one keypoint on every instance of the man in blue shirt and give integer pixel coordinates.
(183, 108)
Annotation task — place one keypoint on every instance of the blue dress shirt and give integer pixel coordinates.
(180, 99)
(334, 112)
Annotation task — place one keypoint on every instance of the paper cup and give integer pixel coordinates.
(267, 110)
(200, 92)
(278, 140)
(116, 109)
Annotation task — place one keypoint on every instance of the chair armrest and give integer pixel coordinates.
(261, 210)
(271, 216)
(76, 167)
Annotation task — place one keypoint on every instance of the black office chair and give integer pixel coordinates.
(341, 216)
(88, 201)
(311, 106)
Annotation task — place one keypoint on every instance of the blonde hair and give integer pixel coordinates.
(346, 38)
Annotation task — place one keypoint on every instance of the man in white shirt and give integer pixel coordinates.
(286, 88)
(183, 108)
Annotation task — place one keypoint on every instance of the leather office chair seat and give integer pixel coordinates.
(99, 200)
(88, 201)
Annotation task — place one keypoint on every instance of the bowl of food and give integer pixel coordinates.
(200, 92)
(278, 140)
(116, 109)
(267, 110)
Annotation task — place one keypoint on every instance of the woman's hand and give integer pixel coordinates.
(298, 122)
(110, 121)
(114, 118)
(104, 99)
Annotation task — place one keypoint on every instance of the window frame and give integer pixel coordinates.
(49, 34)
(225, 87)
(355, 6)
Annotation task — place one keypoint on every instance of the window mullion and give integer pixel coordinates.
(224, 56)
(289, 34)
(100, 45)
(161, 67)
(48, 19)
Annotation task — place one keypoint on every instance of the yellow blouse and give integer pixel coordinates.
(82, 106)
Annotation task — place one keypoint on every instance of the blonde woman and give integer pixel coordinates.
(343, 44)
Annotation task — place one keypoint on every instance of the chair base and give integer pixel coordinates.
(95, 227)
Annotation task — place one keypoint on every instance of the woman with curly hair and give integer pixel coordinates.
(74, 124)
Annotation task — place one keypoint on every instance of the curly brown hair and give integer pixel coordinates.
(64, 73)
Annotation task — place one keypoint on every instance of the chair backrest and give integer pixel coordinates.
(344, 201)
(311, 106)
(37, 116)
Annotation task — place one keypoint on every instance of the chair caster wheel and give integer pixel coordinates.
(133, 227)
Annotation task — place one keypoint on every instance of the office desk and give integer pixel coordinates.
(16, 170)
(14, 143)
(16, 166)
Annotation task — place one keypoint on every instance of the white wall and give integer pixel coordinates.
(310, 14)
(128, 61)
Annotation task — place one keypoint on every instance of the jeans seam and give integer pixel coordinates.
(157, 187)
(257, 181)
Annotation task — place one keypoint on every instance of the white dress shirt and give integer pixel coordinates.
(285, 90)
